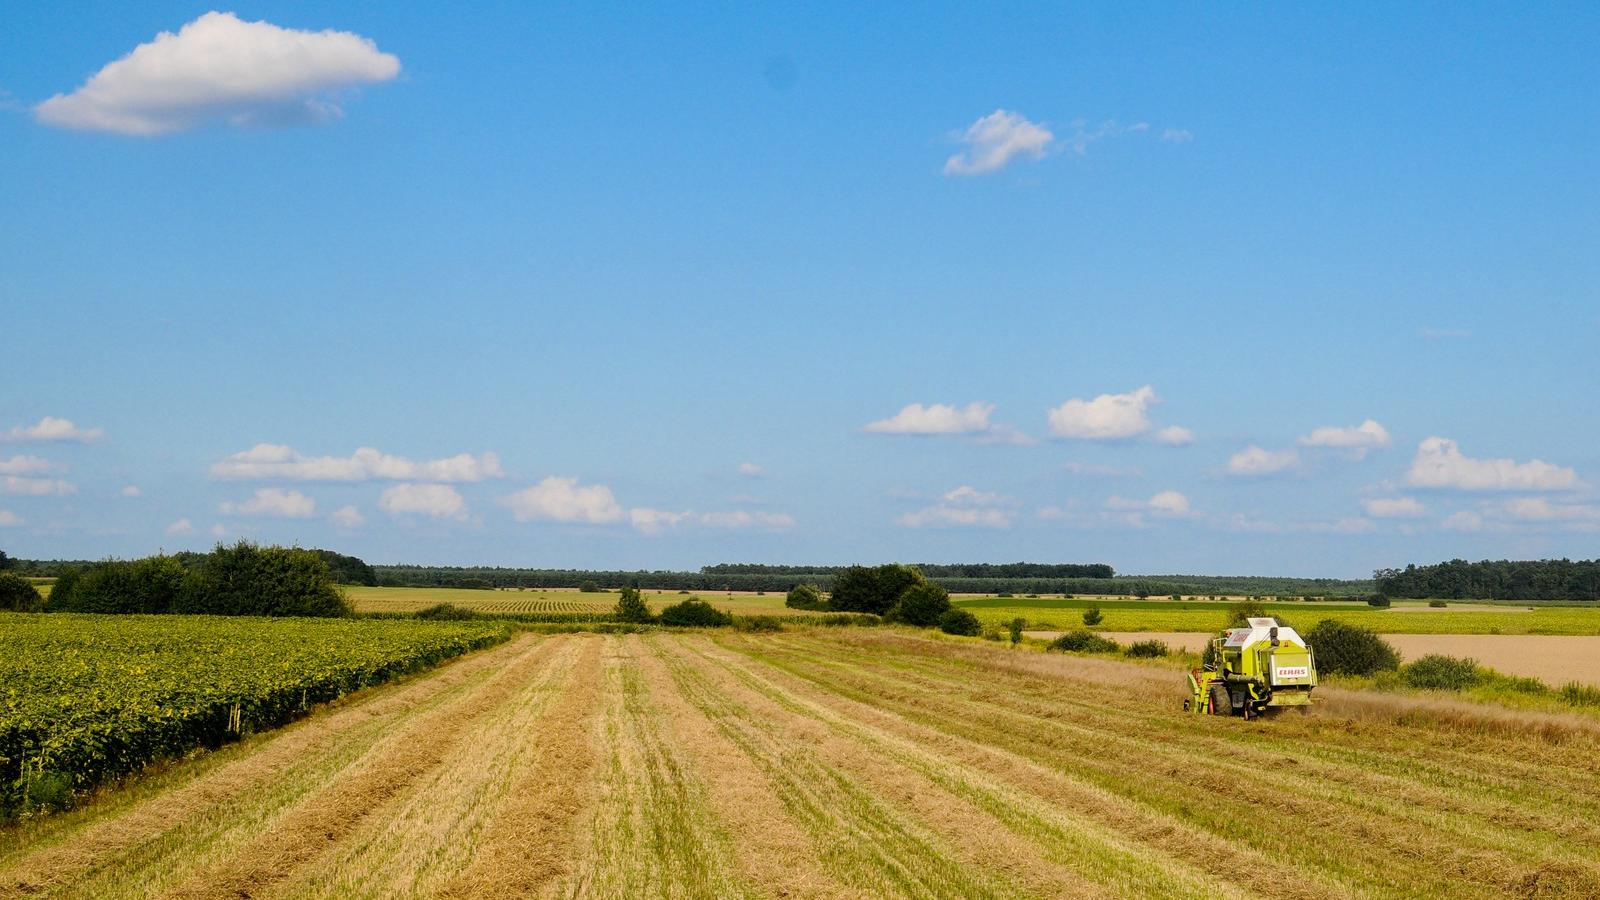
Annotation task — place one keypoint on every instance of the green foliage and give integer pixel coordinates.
(1437, 604)
(757, 623)
(695, 613)
(1240, 614)
(992, 633)
(1545, 579)
(1379, 601)
(1147, 649)
(1437, 672)
(632, 608)
(150, 585)
(921, 605)
(93, 697)
(18, 595)
(47, 791)
(805, 596)
(62, 591)
(1344, 649)
(6, 562)
(959, 621)
(1014, 629)
(872, 590)
(445, 612)
(590, 587)
(1083, 641)
(1578, 694)
(348, 569)
(250, 580)
(1092, 616)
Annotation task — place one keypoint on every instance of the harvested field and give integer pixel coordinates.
(838, 763)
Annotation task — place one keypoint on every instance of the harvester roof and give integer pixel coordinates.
(1261, 630)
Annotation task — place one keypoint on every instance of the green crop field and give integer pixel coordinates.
(1049, 614)
(516, 602)
(85, 697)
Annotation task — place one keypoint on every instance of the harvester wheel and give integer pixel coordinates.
(1221, 705)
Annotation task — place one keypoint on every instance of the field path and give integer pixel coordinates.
(838, 763)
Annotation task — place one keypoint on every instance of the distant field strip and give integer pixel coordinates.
(838, 763)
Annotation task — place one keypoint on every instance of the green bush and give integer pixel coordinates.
(1344, 649)
(1577, 694)
(631, 606)
(1240, 614)
(992, 633)
(1147, 649)
(959, 621)
(1436, 672)
(694, 613)
(61, 592)
(156, 584)
(445, 612)
(18, 594)
(1437, 604)
(873, 590)
(757, 623)
(1379, 601)
(1092, 616)
(805, 596)
(251, 580)
(589, 587)
(922, 605)
(1083, 641)
(1014, 628)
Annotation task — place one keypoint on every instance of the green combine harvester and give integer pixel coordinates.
(1252, 671)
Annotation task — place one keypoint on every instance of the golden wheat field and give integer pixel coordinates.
(837, 763)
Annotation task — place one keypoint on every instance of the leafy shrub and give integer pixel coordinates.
(1083, 641)
(445, 612)
(251, 580)
(1345, 649)
(18, 594)
(1437, 604)
(873, 590)
(48, 790)
(757, 623)
(992, 633)
(631, 606)
(804, 596)
(1014, 627)
(1240, 614)
(959, 621)
(61, 592)
(589, 587)
(1580, 694)
(841, 621)
(694, 613)
(1004, 594)
(1379, 601)
(1092, 616)
(1147, 649)
(1437, 672)
(922, 605)
(150, 585)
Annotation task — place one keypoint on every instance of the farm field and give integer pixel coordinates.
(1050, 614)
(85, 697)
(839, 763)
(406, 600)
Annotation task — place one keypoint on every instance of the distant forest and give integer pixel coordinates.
(1544, 579)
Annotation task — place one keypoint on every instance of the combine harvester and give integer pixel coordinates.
(1253, 671)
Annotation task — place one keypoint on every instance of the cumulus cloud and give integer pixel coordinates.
(51, 428)
(182, 526)
(1254, 460)
(220, 68)
(29, 465)
(275, 462)
(131, 490)
(558, 499)
(1164, 505)
(1098, 471)
(1394, 508)
(1540, 509)
(347, 517)
(964, 507)
(1106, 417)
(656, 521)
(1175, 436)
(36, 487)
(1348, 525)
(272, 502)
(1358, 439)
(936, 418)
(1465, 520)
(436, 501)
(1439, 463)
(9, 519)
(751, 470)
(995, 140)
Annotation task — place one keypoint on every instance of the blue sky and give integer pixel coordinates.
(609, 287)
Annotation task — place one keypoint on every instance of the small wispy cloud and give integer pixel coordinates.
(52, 429)
(1177, 135)
(993, 141)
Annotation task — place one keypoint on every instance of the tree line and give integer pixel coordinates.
(1542, 579)
(934, 570)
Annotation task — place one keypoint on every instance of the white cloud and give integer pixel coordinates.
(740, 520)
(1254, 460)
(655, 521)
(964, 507)
(1090, 470)
(1348, 525)
(1177, 135)
(995, 140)
(9, 519)
(131, 490)
(1166, 504)
(1358, 439)
(218, 531)
(1175, 436)
(936, 418)
(29, 465)
(1465, 520)
(1439, 463)
(36, 487)
(1540, 509)
(266, 462)
(751, 470)
(219, 68)
(967, 495)
(51, 428)
(1394, 508)
(347, 517)
(272, 502)
(1106, 417)
(562, 500)
(1169, 503)
(437, 501)
(182, 526)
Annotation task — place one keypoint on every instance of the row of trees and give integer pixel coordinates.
(1545, 579)
(934, 570)
(896, 592)
(242, 580)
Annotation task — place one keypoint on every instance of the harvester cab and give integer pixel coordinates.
(1252, 671)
